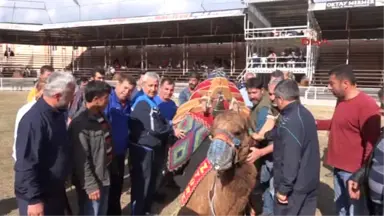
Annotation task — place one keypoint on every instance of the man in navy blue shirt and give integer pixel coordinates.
(164, 100)
(117, 113)
(296, 156)
(42, 150)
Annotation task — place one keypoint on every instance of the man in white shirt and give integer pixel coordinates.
(24, 109)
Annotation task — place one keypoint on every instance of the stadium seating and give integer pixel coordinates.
(366, 57)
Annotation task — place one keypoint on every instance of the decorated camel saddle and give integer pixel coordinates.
(195, 117)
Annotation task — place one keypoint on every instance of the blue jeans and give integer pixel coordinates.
(91, 207)
(266, 180)
(345, 205)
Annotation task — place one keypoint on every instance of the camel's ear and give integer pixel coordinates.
(234, 106)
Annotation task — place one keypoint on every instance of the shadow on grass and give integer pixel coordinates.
(325, 200)
(167, 194)
(7, 205)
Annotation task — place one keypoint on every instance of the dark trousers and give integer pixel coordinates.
(298, 204)
(54, 204)
(116, 185)
(376, 209)
(146, 167)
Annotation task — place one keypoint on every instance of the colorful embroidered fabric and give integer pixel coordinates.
(198, 128)
(204, 168)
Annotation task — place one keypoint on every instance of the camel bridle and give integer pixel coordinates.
(234, 143)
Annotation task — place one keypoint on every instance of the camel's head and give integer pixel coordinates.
(231, 141)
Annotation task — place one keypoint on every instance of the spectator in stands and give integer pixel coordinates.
(164, 100)
(45, 72)
(185, 94)
(42, 150)
(369, 179)
(272, 58)
(117, 113)
(24, 109)
(98, 73)
(296, 170)
(354, 128)
(149, 136)
(381, 99)
(91, 139)
(243, 90)
(255, 60)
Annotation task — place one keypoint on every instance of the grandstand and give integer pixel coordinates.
(241, 34)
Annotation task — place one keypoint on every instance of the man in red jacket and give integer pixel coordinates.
(354, 129)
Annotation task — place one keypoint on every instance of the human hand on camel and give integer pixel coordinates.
(255, 154)
(94, 195)
(36, 209)
(179, 133)
(283, 199)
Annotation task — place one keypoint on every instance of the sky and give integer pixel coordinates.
(63, 11)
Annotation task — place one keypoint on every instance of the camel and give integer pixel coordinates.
(214, 103)
(226, 187)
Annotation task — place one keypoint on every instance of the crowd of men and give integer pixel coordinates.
(82, 131)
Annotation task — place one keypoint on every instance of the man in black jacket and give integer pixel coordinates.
(42, 150)
(149, 133)
(295, 153)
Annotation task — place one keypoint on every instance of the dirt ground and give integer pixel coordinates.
(11, 101)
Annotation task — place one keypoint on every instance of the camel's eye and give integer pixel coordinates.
(237, 133)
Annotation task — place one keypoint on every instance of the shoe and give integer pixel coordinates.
(148, 213)
(159, 198)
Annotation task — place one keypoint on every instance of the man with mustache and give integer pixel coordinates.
(259, 112)
(149, 133)
(353, 131)
(194, 79)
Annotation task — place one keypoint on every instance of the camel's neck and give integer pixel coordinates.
(231, 194)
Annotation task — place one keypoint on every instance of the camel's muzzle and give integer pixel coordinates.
(221, 155)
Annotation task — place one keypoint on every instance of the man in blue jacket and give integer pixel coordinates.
(117, 113)
(149, 135)
(43, 150)
(296, 156)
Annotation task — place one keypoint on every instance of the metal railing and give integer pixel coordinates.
(25, 84)
(313, 95)
(276, 33)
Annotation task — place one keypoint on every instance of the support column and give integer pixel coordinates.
(142, 56)
(105, 54)
(309, 57)
(73, 59)
(349, 36)
(184, 57)
(145, 55)
(231, 71)
(187, 56)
